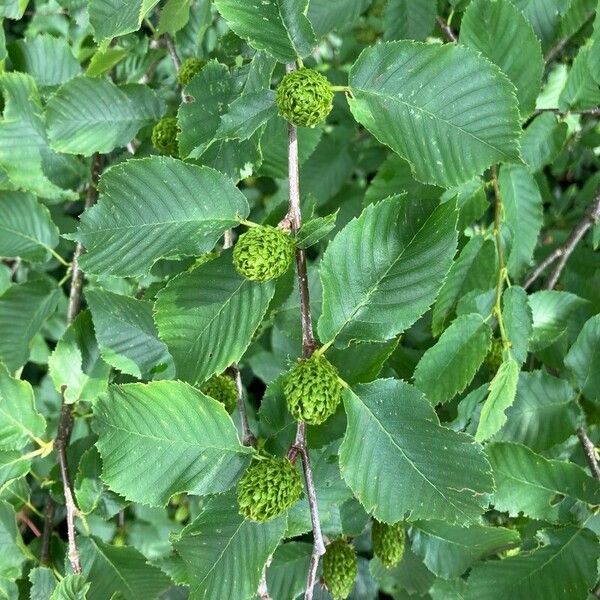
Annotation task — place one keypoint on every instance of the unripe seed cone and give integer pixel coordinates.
(189, 68)
(268, 488)
(164, 136)
(388, 542)
(313, 390)
(223, 389)
(339, 568)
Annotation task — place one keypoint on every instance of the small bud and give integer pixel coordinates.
(339, 568)
(388, 542)
(313, 390)
(223, 389)
(263, 253)
(268, 488)
(188, 69)
(304, 97)
(164, 136)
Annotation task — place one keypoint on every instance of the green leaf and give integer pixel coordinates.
(403, 19)
(329, 15)
(503, 35)
(13, 464)
(20, 423)
(396, 249)
(448, 550)
(473, 269)
(523, 213)
(501, 395)
(583, 359)
(88, 115)
(123, 572)
(564, 568)
(23, 310)
(111, 18)
(450, 365)
(314, 230)
(551, 310)
(445, 109)
(542, 141)
(527, 482)
(163, 438)
(173, 16)
(225, 553)
(71, 587)
(24, 151)
(11, 557)
(75, 366)
(246, 114)
(286, 576)
(104, 60)
(518, 321)
(43, 583)
(127, 336)
(154, 208)
(408, 579)
(543, 414)
(279, 27)
(26, 228)
(543, 15)
(581, 90)
(392, 420)
(48, 59)
(195, 313)
(13, 9)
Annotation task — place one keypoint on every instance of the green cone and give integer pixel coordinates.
(164, 136)
(388, 542)
(223, 389)
(339, 568)
(189, 68)
(268, 488)
(313, 390)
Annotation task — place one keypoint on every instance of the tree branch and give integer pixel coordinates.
(172, 51)
(447, 30)
(560, 45)
(65, 422)
(293, 219)
(589, 451)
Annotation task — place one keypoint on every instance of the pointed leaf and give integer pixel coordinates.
(518, 321)
(403, 19)
(71, 587)
(111, 18)
(583, 359)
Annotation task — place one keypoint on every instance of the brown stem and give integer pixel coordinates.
(591, 217)
(293, 220)
(172, 52)
(560, 45)
(29, 523)
(589, 451)
(65, 422)
(447, 29)
(595, 111)
(263, 590)
(248, 437)
(542, 267)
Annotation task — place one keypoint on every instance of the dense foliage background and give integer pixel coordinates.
(450, 208)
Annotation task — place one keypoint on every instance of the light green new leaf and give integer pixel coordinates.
(196, 310)
(154, 208)
(124, 572)
(473, 269)
(127, 336)
(551, 310)
(583, 359)
(11, 557)
(503, 35)
(246, 114)
(48, 59)
(446, 109)
(448, 550)
(20, 423)
(391, 420)
(406, 20)
(111, 18)
(543, 139)
(13, 9)
(71, 587)
(13, 464)
(502, 392)
(173, 16)
(543, 414)
(24, 151)
(450, 365)
(75, 365)
(279, 27)
(384, 269)
(163, 438)
(225, 553)
(104, 60)
(527, 482)
(88, 115)
(23, 309)
(563, 569)
(26, 227)
(518, 321)
(523, 213)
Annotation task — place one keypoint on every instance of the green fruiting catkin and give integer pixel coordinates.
(223, 389)
(189, 67)
(304, 97)
(339, 568)
(164, 136)
(388, 542)
(313, 390)
(268, 488)
(263, 253)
